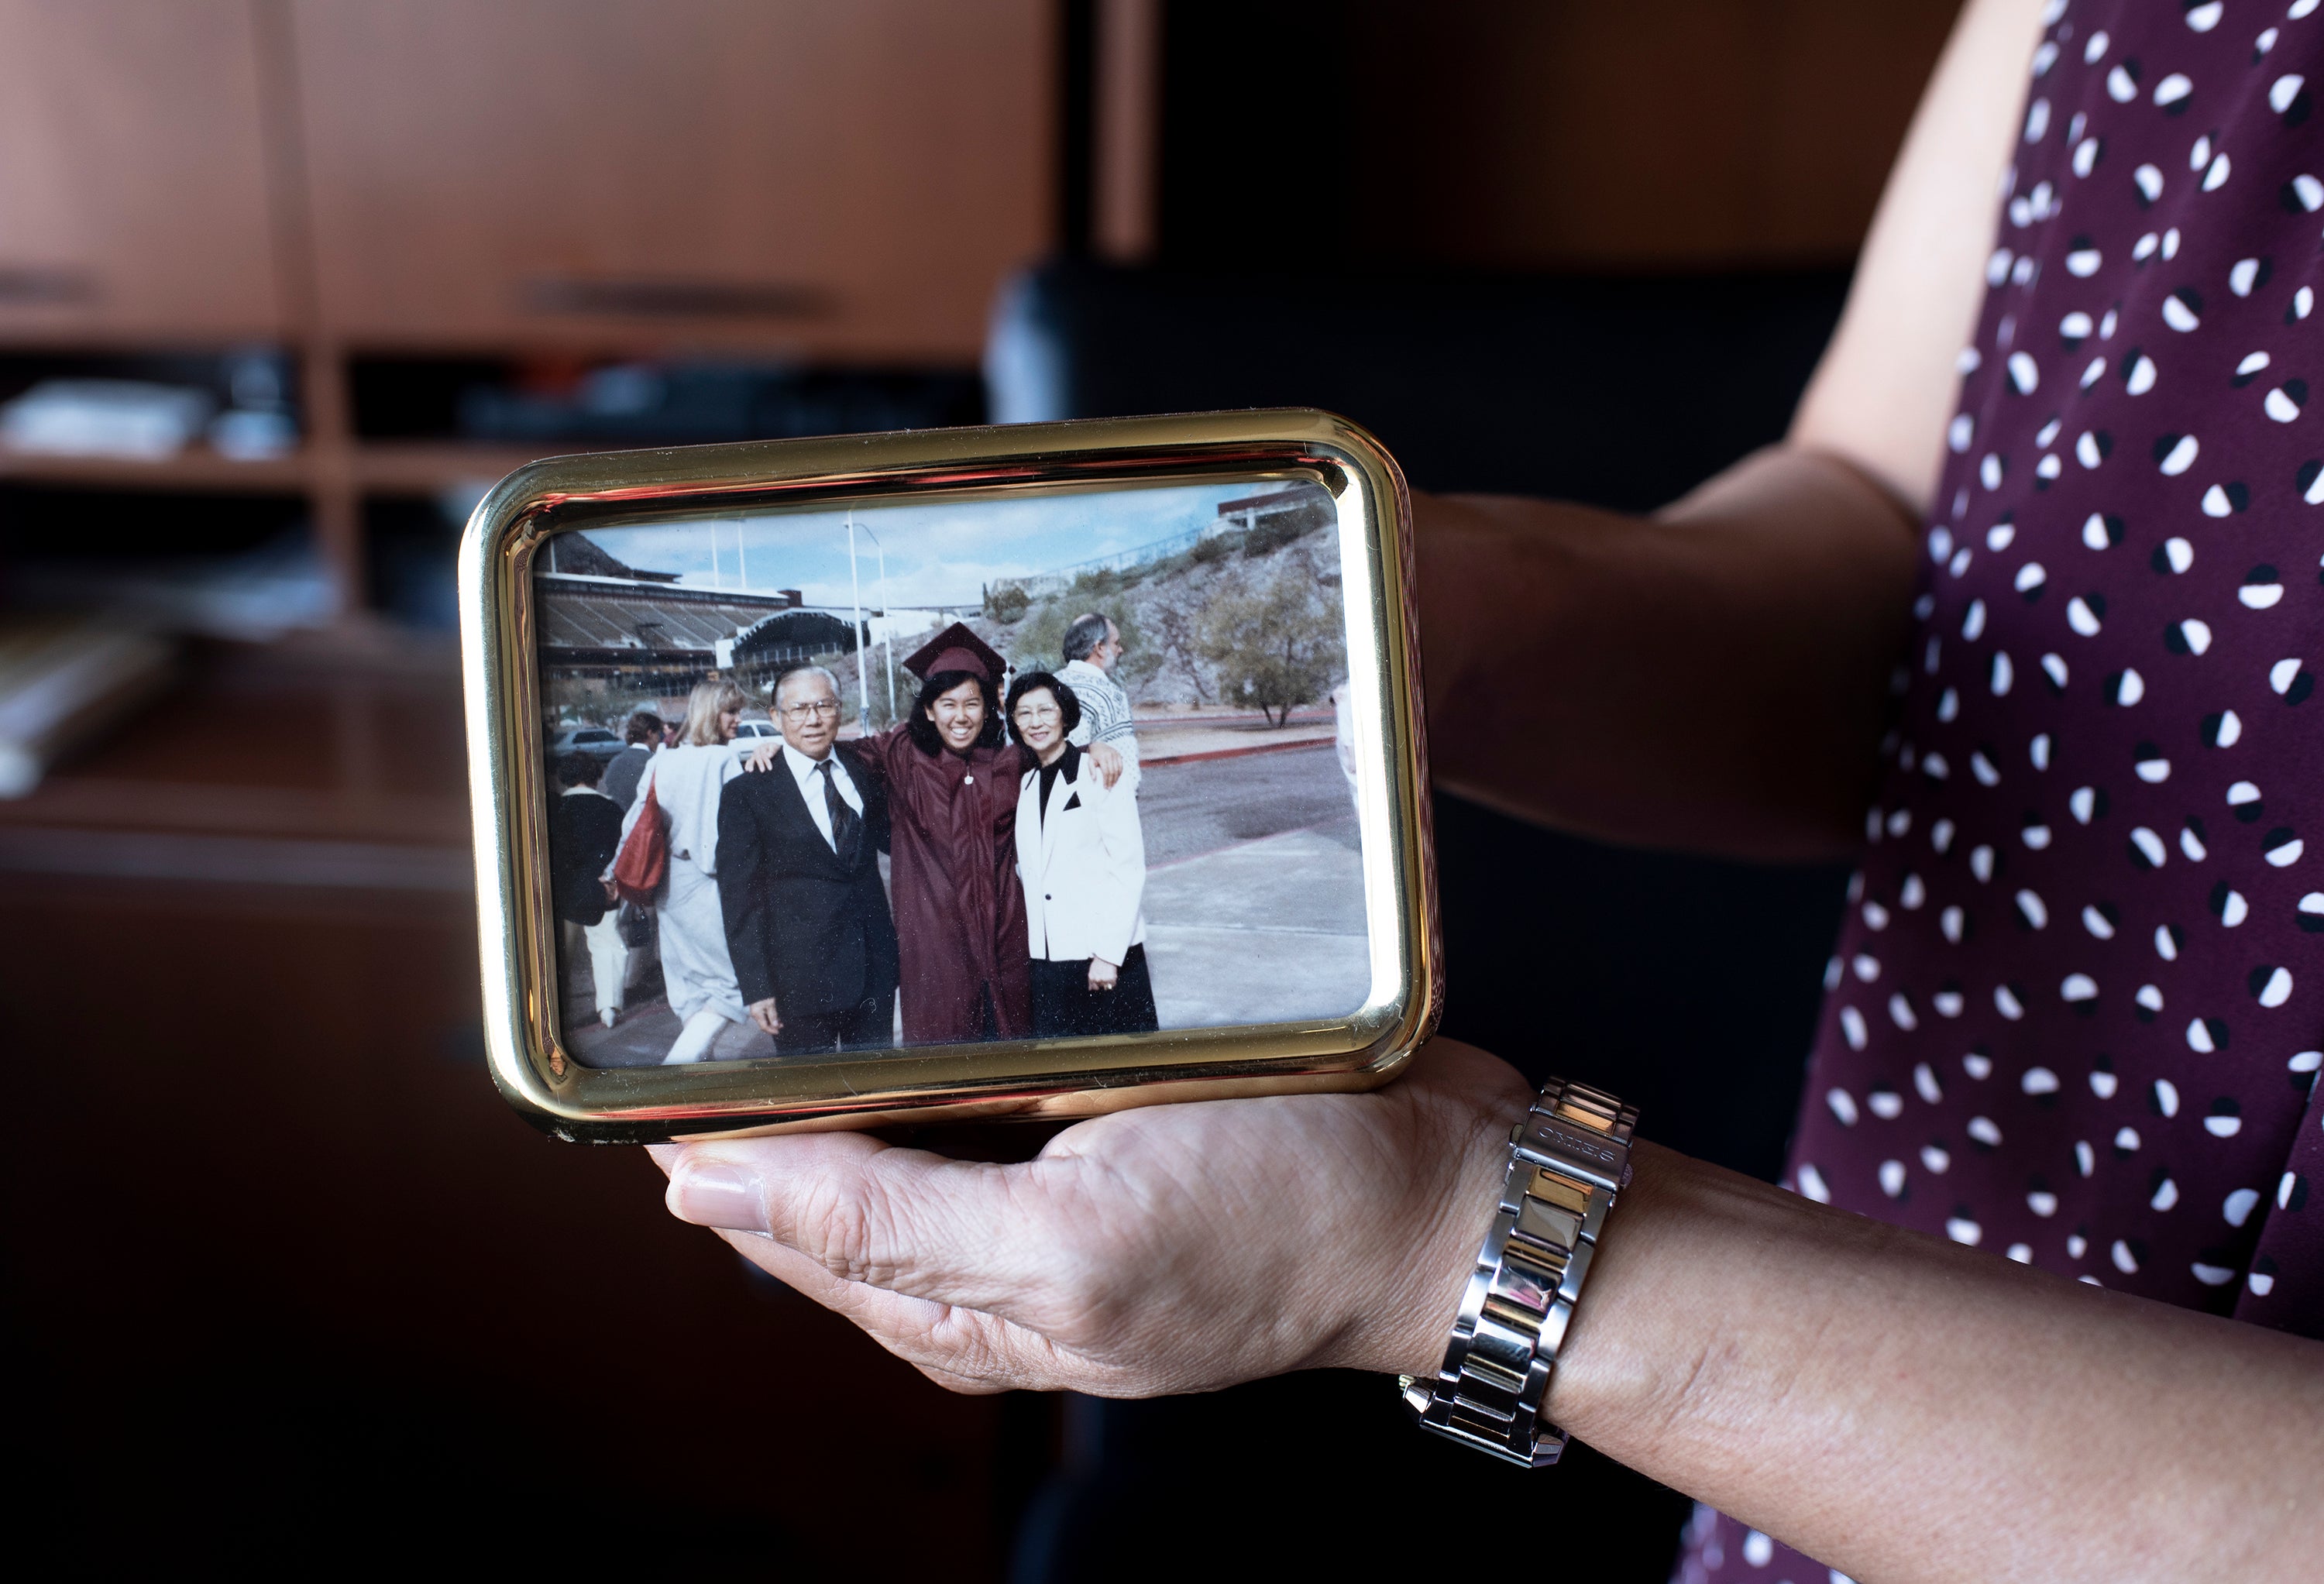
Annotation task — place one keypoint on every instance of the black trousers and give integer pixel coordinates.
(869, 1025)
(1064, 1004)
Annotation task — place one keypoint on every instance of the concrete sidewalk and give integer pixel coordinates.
(1269, 931)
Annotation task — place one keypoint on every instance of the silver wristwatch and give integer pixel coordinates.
(1567, 1160)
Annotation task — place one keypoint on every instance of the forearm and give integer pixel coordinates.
(1712, 679)
(1903, 1409)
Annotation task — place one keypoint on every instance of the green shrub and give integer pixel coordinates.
(1277, 647)
(1275, 532)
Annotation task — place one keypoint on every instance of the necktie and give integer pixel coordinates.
(846, 824)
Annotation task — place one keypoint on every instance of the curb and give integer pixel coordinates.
(1182, 758)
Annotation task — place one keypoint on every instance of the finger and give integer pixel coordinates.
(993, 1237)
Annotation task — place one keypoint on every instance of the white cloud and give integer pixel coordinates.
(941, 552)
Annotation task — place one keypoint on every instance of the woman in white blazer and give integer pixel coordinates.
(1082, 860)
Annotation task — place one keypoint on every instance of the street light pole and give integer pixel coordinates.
(888, 637)
(888, 633)
(855, 590)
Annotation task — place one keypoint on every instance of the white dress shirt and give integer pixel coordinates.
(810, 785)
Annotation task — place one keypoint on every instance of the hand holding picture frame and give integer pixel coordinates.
(1027, 771)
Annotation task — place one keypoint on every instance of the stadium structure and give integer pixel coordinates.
(602, 619)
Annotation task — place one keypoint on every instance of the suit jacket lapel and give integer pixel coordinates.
(1061, 792)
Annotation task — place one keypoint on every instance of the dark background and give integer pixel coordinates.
(290, 1285)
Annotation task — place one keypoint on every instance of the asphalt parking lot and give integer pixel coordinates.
(1254, 907)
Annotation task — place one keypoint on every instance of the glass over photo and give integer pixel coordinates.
(837, 781)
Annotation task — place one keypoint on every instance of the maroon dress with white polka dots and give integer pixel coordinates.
(2075, 1011)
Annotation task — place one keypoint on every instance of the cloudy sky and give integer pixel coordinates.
(937, 554)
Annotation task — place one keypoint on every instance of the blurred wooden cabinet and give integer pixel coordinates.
(844, 179)
(838, 181)
(134, 199)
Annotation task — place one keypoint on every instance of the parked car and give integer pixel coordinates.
(756, 731)
(593, 741)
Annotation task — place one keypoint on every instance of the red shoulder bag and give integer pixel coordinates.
(644, 861)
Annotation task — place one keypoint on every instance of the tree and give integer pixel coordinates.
(1277, 647)
(1006, 601)
(1176, 620)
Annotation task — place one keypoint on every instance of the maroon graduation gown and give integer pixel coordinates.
(960, 910)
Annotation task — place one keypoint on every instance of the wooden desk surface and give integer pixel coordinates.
(286, 1259)
(326, 764)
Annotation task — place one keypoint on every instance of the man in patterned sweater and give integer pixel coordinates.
(1092, 647)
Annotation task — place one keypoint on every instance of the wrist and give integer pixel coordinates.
(1448, 1252)
(1607, 1369)
(1565, 1167)
(1401, 1326)
(1654, 1351)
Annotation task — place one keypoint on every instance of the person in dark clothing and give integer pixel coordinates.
(2046, 1299)
(798, 879)
(584, 828)
(643, 734)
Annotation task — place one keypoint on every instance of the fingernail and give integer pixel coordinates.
(717, 1193)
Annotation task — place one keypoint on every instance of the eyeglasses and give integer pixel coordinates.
(800, 711)
(1035, 713)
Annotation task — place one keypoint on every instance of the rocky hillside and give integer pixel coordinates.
(1187, 622)
(1250, 620)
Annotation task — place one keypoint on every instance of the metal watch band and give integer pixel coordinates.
(1567, 1160)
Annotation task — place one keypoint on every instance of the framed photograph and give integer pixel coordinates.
(1022, 771)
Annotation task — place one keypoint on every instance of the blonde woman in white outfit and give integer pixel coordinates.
(686, 782)
(1080, 856)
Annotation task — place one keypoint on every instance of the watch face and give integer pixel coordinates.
(1013, 771)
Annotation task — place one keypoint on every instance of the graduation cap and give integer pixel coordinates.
(956, 648)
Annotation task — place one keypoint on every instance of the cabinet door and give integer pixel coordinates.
(133, 176)
(835, 177)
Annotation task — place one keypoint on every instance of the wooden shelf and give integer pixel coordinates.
(780, 181)
(425, 466)
(389, 467)
(201, 470)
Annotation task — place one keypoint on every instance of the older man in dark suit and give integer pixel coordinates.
(798, 877)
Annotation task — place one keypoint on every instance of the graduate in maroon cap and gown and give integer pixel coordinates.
(951, 784)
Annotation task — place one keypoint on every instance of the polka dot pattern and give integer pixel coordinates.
(2075, 1014)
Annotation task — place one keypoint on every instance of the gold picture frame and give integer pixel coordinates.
(1027, 1078)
